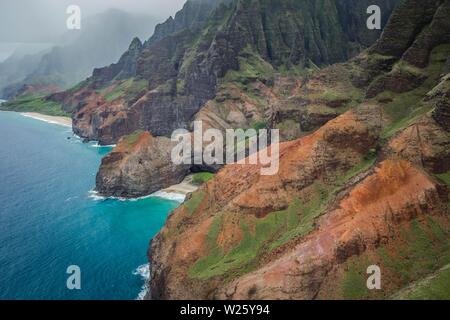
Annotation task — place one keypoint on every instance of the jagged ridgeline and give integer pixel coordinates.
(161, 84)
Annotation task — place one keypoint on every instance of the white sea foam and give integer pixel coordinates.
(94, 195)
(97, 145)
(144, 272)
(170, 196)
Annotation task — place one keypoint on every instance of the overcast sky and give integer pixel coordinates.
(33, 22)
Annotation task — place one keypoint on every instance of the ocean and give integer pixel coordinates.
(50, 219)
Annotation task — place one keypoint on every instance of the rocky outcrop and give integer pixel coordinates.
(125, 68)
(424, 143)
(194, 15)
(139, 165)
(404, 26)
(415, 29)
(439, 97)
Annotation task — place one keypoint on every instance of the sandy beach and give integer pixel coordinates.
(183, 188)
(63, 121)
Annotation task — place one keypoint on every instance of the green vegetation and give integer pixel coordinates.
(242, 258)
(291, 70)
(271, 231)
(204, 38)
(181, 84)
(333, 95)
(354, 284)
(425, 248)
(131, 139)
(290, 129)
(403, 66)
(201, 177)
(251, 68)
(444, 177)
(79, 86)
(259, 125)
(310, 210)
(127, 89)
(35, 103)
(367, 162)
(322, 196)
(348, 96)
(193, 203)
(404, 108)
(435, 287)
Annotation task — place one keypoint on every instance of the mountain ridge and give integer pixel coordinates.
(183, 69)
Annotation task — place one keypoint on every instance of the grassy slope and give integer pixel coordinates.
(271, 232)
(434, 287)
(34, 104)
(426, 244)
(425, 248)
(126, 89)
(201, 177)
(406, 107)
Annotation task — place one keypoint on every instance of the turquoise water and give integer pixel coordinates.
(48, 221)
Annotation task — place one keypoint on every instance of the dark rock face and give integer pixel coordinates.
(324, 33)
(404, 25)
(436, 33)
(442, 113)
(125, 68)
(138, 166)
(440, 98)
(414, 30)
(188, 55)
(424, 143)
(395, 81)
(194, 15)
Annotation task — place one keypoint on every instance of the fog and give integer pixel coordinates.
(33, 24)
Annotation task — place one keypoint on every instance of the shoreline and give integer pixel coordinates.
(177, 192)
(59, 120)
(185, 187)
